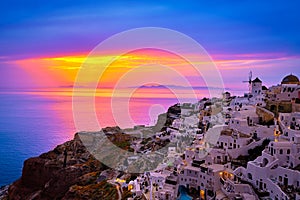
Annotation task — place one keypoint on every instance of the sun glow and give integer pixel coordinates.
(61, 71)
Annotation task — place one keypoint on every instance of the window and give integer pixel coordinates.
(288, 151)
(281, 151)
(249, 176)
(210, 193)
(280, 178)
(286, 133)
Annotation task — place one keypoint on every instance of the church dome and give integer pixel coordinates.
(290, 79)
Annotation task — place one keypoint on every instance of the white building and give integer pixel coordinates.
(277, 170)
(255, 87)
(204, 178)
(230, 139)
(169, 189)
(288, 89)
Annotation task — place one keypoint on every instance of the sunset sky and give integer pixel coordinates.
(43, 43)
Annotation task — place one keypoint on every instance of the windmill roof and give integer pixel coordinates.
(257, 80)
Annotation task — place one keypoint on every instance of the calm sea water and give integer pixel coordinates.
(31, 124)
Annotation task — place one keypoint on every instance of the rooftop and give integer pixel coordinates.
(290, 79)
(257, 80)
(214, 167)
(229, 132)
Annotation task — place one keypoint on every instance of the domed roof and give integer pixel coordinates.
(290, 79)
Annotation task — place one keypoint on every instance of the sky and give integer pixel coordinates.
(43, 43)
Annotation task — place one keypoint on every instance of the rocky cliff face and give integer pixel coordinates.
(46, 177)
(69, 171)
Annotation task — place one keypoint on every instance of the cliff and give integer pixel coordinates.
(47, 177)
(69, 171)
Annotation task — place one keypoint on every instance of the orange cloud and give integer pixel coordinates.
(61, 71)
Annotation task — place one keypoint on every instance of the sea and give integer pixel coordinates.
(32, 123)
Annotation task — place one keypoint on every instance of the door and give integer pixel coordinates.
(285, 181)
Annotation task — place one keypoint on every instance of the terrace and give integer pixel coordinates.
(234, 133)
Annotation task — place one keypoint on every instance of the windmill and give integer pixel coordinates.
(250, 80)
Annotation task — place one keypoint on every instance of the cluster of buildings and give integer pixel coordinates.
(242, 148)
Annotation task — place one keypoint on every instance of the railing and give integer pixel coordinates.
(258, 194)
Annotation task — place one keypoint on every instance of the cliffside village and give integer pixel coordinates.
(229, 148)
(254, 152)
